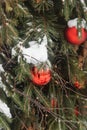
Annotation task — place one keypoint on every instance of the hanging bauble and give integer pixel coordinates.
(78, 82)
(41, 76)
(79, 85)
(74, 34)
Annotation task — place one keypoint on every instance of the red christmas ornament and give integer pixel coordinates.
(71, 35)
(78, 85)
(41, 76)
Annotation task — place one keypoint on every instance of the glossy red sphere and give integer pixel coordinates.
(71, 35)
(41, 76)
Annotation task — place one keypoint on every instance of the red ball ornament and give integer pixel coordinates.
(71, 35)
(41, 76)
(77, 84)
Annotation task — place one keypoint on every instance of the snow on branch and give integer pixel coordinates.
(36, 53)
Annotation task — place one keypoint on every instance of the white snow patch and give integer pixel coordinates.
(13, 52)
(2, 85)
(18, 46)
(31, 43)
(82, 1)
(36, 53)
(5, 109)
(29, 24)
(74, 23)
(85, 9)
(84, 5)
(1, 68)
(39, 29)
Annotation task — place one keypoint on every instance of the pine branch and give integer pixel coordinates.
(5, 121)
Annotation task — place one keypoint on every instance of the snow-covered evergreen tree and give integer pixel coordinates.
(43, 64)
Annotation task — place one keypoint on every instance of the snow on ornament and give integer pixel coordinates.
(36, 53)
(41, 76)
(76, 33)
